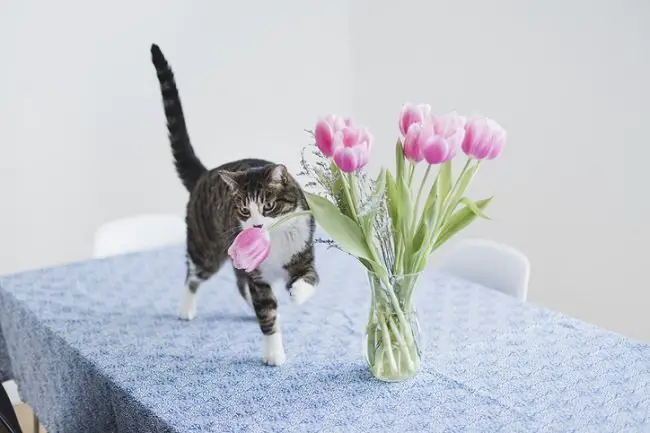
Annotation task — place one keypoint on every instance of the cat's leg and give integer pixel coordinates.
(266, 310)
(195, 276)
(303, 277)
(242, 285)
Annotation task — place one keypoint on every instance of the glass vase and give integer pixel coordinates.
(392, 339)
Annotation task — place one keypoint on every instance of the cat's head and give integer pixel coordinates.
(262, 195)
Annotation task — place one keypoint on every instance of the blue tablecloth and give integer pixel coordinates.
(96, 347)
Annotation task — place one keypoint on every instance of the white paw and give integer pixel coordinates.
(187, 310)
(274, 349)
(300, 291)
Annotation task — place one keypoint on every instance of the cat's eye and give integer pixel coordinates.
(244, 211)
(269, 205)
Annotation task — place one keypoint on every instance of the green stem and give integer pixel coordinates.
(447, 206)
(351, 184)
(351, 197)
(353, 191)
(451, 200)
(388, 345)
(379, 361)
(348, 197)
(404, 346)
(287, 218)
(418, 197)
(395, 305)
(411, 174)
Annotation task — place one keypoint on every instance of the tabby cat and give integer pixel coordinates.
(225, 200)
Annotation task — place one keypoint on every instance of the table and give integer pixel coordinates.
(96, 347)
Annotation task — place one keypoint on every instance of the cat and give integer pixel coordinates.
(227, 199)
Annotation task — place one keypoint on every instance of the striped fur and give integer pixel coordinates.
(227, 199)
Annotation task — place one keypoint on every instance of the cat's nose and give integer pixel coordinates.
(258, 226)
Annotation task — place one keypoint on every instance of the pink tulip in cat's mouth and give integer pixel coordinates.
(250, 248)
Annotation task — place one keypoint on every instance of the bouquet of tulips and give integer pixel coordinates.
(392, 223)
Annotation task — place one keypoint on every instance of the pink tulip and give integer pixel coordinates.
(325, 130)
(347, 159)
(341, 139)
(411, 115)
(449, 125)
(484, 138)
(365, 140)
(352, 149)
(435, 139)
(438, 150)
(250, 248)
(447, 133)
(413, 144)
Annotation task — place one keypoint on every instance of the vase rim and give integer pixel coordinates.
(412, 274)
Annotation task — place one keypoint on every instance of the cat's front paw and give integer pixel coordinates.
(300, 291)
(274, 349)
(187, 310)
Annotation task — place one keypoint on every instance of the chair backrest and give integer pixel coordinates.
(138, 233)
(8, 420)
(497, 266)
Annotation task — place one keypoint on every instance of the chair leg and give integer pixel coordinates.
(37, 425)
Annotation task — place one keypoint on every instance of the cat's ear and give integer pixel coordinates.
(279, 174)
(229, 178)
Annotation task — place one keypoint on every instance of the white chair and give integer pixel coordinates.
(138, 233)
(497, 266)
(12, 391)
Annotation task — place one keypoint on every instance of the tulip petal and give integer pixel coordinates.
(484, 138)
(335, 122)
(448, 124)
(410, 114)
(323, 135)
(250, 248)
(436, 150)
(456, 139)
(425, 109)
(413, 144)
(350, 136)
(363, 153)
(346, 159)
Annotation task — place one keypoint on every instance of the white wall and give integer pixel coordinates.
(569, 81)
(83, 137)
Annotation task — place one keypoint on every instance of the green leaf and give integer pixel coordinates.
(419, 249)
(459, 221)
(345, 232)
(406, 202)
(366, 225)
(474, 208)
(338, 190)
(380, 182)
(463, 182)
(393, 201)
(444, 180)
(429, 210)
(438, 214)
(399, 160)
(420, 236)
(378, 191)
(405, 213)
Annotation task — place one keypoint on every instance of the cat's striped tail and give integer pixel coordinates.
(188, 165)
